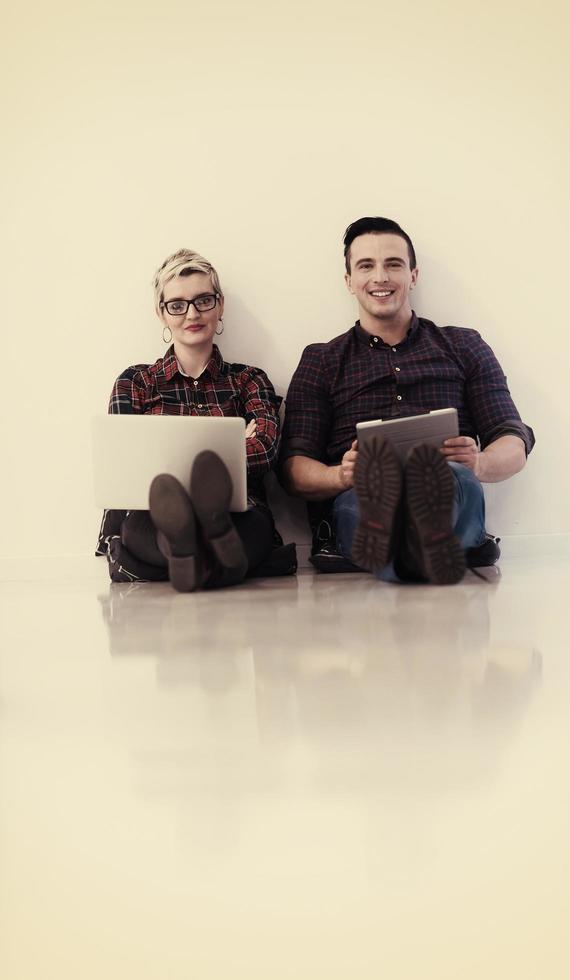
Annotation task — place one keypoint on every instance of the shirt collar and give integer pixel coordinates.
(376, 342)
(170, 365)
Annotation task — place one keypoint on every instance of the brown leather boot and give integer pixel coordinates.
(173, 516)
(378, 487)
(211, 493)
(430, 547)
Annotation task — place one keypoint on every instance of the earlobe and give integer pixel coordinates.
(348, 283)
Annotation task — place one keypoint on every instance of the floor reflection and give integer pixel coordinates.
(386, 689)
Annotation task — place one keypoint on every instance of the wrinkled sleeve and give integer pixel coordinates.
(488, 396)
(260, 402)
(126, 396)
(307, 409)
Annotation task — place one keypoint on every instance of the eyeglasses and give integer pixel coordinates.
(179, 307)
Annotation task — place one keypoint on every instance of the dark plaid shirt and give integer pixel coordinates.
(221, 389)
(357, 377)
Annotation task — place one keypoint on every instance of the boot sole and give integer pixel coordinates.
(211, 493)
(378, 487)
(430, 495)
(172, 515)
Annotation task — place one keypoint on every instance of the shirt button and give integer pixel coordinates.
(396, 369)
(399, 397)
(394, 349)
(195, 384)
(375, 340)
(200, 405)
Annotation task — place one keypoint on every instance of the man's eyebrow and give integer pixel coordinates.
(391, 258)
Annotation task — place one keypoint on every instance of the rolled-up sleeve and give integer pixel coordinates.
(307, 408)
(488, 397)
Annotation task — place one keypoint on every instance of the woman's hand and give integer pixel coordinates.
(250, 429)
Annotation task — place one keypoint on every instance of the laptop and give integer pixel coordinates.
(405, 433)
(130, 450)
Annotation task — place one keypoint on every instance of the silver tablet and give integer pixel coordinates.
(405, 433)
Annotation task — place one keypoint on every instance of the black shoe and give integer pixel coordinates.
(125, 567)
(378, 486)
(211, 493)
(173, 516)
(484, 554)
(329, 560)
(281, 561)
(431, 548)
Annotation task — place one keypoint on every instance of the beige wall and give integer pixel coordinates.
(254, 132)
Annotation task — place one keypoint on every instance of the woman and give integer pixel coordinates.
(189, 535)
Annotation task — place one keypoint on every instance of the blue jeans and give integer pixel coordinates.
(468, 517)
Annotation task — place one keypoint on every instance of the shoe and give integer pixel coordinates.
(211, 493)
(431, 548)
(378, 487)
(125, 567)
(484, 554)
(172, 514)
(281, 561)
(329, 560)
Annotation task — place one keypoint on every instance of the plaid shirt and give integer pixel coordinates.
(221, 389)
(357, 377)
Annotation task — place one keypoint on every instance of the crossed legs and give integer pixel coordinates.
(190, 537)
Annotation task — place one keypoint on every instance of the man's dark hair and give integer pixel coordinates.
(375, 226)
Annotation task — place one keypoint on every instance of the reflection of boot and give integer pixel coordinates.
(511, 676)
(134, 623)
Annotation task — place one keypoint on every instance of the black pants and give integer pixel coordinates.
(134, 555)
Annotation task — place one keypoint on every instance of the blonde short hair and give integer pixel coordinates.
(183, 263)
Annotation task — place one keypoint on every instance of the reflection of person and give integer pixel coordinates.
(418, 524)
(190, 536)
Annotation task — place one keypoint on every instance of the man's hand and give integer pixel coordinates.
(462, 449)
(347, 464)
(250, 429)
(499, 460)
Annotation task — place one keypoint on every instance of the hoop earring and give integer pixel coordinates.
(166, 339)
(221, 323)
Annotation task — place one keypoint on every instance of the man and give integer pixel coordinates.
(416, 524)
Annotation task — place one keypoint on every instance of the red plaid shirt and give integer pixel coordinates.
(222, 389)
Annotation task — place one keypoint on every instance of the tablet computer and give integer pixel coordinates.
(130, 450)
(406, 432)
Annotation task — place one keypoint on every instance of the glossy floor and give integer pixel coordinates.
(314, 777)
